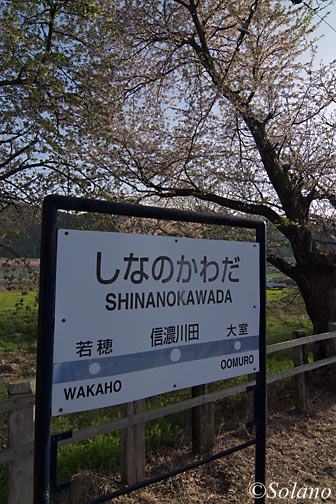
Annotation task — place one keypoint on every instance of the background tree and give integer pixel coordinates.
(54, 70)
(220, 105)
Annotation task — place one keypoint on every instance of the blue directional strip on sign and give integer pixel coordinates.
(64, 372)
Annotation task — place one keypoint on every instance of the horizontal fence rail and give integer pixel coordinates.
(315, 338)
(12, 454)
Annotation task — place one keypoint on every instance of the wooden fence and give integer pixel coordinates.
(20, 406)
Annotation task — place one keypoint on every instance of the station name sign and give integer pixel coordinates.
(140, 315)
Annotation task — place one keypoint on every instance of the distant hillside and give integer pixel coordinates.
(20, 229)
(19, 232)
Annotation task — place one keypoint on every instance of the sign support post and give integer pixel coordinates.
(260, 402)
(44, 354)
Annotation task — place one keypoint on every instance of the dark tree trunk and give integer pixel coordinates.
(315, 276)
(319, 294)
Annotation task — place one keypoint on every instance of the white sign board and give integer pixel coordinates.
(140, 315)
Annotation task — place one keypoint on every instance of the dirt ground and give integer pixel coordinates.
(301, 464)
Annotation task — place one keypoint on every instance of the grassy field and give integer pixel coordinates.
(285, 314)
(18, 329)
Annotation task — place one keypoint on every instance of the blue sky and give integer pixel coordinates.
(327, 44)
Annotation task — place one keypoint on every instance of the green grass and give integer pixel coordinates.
(10, 301)
(285, 314)
(18, 334)
(102, 453)
(18, 314)
(99, 454)
(18, 330)
(18, 343)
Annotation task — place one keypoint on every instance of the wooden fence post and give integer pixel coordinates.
(132, 445)
(20, 431)
(300, 357)
(203, 422)
(332, 348)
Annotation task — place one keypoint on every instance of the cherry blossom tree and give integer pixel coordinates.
(221, 103)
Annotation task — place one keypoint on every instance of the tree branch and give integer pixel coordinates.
(12, 157)
(284, 266)
(252, 209)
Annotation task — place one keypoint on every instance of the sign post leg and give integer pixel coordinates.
(261, 387)
(45, 355)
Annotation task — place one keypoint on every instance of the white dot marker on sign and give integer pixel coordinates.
(175, 355)
(94, 368)
(237, 345)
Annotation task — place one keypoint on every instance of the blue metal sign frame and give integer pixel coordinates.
(45, 456)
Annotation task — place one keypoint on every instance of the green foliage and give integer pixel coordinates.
(54, 56)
